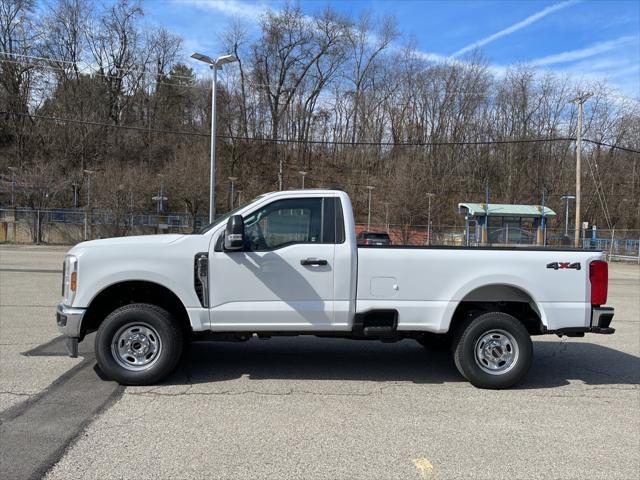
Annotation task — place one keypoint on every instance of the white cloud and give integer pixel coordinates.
(590, 51)
(231, 8)
(516, 26)
(432, 57)
(605, 59)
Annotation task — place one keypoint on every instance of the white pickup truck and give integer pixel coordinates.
(287, 263)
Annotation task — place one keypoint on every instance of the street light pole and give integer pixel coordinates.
(87, 214)
(429, 196)
(369, 187)
(303, 173)
(386, 215)
(567, 198)
(212, 168)
(13, 184)
(232, 180)
(214, 65)
(75, 194)
(580, 99)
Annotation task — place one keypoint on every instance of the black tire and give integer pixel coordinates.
(435, 342)
(506, 364)
(159, 325)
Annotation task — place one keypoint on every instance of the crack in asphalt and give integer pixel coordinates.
(20, 394)
(289, 392)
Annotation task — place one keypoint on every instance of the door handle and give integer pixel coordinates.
(313, 261)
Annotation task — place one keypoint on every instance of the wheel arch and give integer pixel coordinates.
(126, 292)
(502, 297)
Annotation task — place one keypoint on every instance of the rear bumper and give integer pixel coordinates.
(69, 321)
(601, 318)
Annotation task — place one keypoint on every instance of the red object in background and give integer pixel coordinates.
(599, 278)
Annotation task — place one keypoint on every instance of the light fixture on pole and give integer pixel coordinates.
(429, 196)
(580, 99)
(160, 198)
(303, 174)
(567, 198)
(369, 187)
(232, 180)
(214, 65)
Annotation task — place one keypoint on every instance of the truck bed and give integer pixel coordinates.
(426, 283)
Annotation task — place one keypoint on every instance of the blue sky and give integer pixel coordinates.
(589, 39)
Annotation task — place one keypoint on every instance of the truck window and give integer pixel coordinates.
(285, 222)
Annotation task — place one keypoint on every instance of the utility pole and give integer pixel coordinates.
(580, 99)
(369, 187)
(567, 198)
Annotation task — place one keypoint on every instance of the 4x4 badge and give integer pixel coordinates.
(564, 265)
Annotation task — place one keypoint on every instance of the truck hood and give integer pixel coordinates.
(135, 241)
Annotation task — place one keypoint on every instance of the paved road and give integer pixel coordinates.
(312, 408)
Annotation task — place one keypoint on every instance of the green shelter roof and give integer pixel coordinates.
(506, 210)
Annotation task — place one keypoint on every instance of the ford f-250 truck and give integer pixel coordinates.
(287, 263)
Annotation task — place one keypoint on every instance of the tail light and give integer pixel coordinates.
(366, 241)
(599, 278)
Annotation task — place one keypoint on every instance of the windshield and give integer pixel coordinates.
(226, 216)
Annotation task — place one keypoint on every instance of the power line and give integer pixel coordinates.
(319, 142)
(602, 144)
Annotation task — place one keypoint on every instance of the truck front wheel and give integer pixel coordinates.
(138, 344)
(493, 350)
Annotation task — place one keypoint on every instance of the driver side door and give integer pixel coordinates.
(284, 277)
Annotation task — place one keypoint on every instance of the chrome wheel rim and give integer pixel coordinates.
(136, 346)
(496, 352)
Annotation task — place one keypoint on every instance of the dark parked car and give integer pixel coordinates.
(373, 238)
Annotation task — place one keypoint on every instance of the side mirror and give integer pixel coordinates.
(234, 233)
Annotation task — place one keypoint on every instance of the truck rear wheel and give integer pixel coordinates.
(138, 344)
(493, 350)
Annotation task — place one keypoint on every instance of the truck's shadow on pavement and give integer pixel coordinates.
(308, 358)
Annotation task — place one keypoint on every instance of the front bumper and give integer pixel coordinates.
(69, 322)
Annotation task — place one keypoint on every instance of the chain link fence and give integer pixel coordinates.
(69, 226)
(618, 244)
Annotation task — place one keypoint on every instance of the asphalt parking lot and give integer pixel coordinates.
(311, 408)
